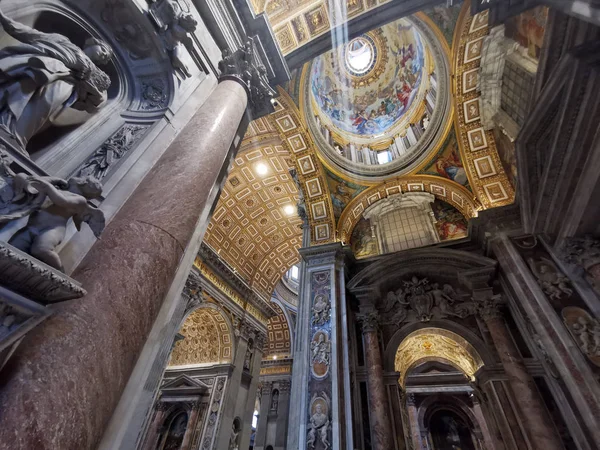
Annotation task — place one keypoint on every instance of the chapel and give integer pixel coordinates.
(299, 225)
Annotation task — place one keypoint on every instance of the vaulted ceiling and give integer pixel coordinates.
(255, 227)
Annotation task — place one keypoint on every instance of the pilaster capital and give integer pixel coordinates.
(369, 321)
(266, 388)
(243, 66)
(489, 307)
(193, 292)
(284, 386)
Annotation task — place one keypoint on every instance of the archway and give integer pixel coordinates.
(450, 430)
(206, 339)
(436, 344)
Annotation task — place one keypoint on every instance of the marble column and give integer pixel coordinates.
(191, 427)
(152, 434)
(413, 420)
(66, 378)
(538, 425)
(378, 405)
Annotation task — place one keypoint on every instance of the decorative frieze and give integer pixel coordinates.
(104, 160)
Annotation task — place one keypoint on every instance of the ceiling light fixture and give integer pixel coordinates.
(289, 210)
(261, 169)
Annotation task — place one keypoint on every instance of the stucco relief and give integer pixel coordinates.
(585, 330)
(320, 350)
(320, 423)
(421, 300)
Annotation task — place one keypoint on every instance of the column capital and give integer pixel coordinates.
(243, 67)
(489, 307)
(369, 321)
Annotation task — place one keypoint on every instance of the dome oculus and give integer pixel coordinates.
(359, 56)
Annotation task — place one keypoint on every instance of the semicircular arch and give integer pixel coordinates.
(446, 190)
(207, 339)
(436, 344)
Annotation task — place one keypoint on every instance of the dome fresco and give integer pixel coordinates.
(375, 106)
(379, 104)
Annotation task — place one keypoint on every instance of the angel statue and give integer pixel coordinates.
(47, 80)
(49, 203)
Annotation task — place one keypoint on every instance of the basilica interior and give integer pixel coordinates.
(309, 225)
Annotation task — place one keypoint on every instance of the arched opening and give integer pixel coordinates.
(436, 344)
(173, 432)
(206, 340)
(449, 430)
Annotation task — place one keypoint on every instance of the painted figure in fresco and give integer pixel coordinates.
(450, 166)
(47, 80)
(450, 224)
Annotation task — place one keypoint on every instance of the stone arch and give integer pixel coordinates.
(208, 339)
(433, 403)
(436, 344)
(450, 326)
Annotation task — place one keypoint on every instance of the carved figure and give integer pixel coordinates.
(319, 426)
(301, 203)
(176, 30)
(9, 320)
(49, 203)
(47, 80)
(320, 350)
(320, 310)
(275, 400)
(551, 280)
(248, 358)
(46, 228)
(242, 63)
(233, 437)
(421, 301)
(588, 332)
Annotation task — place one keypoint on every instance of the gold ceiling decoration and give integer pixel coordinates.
(300, 144)
(278, 330)
(477, 145)
(297, 22)
(207, 340)
(443, 189)
(255, 227)
(436, 344)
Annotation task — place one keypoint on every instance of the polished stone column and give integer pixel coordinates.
(538, 425)
(413, 420)
(152, 434)
(378, 406)
(191, 426)
(67, 377)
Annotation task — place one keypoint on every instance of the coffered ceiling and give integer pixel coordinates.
(255, 227)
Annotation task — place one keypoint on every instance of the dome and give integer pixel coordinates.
(380, 102)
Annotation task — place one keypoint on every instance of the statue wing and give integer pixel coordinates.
(94, 217)
(29, 35)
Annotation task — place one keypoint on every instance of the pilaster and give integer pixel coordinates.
(321, 359)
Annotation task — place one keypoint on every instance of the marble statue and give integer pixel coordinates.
(588, 332)
(175, 26)
(319, 426)
(9, 320)
(48, 203)
(275, 400)
(233, 438)
(47, 80)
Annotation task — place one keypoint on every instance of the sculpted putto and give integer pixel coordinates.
(48, 203)
(47, 80)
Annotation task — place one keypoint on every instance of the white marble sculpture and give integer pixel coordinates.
(319, 426)
(47, 80)
(48, 203)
